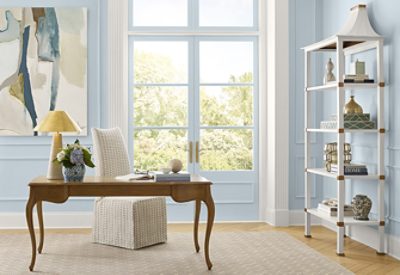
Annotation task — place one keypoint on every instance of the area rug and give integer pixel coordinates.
(231, 253)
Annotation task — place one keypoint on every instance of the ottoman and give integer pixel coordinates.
(130, 222)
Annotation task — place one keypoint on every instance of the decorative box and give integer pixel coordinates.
(354, 117)
(351, 121)
(349, 125)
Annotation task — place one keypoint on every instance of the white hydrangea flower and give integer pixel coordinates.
(61, 156)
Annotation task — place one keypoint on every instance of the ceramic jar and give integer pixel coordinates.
(361, 206)
(74, 173)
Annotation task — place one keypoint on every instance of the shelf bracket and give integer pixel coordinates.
(382, 223)
(382, 177)
(341, 177)
(340, 84)
(381, 84)
(382, 130)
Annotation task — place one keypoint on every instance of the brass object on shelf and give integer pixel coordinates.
(330, 154)
(352, 107)
(331, 147)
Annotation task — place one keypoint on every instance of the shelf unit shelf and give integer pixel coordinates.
(345, 45)
(347, 220)
(324, 173)
(351, 131)
(347, 86)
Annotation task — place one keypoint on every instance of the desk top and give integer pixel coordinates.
(96, 180)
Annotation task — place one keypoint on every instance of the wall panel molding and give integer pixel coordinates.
(24, 158)
(394, 219)
(299, 181)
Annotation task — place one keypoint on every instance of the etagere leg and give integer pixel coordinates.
(340, 241)
(381, 245)
(307, 228)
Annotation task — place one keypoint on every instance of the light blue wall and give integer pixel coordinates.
(304, 30)
(385, 20)
(22, 158)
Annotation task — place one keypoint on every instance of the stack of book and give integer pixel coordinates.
(181, 176)
(357, 78)
(351, 169)
(332, 210)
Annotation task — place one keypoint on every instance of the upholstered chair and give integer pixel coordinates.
(129, 222)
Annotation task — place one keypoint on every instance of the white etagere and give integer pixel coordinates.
(357, 36)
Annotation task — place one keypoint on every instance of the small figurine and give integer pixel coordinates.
(329, 76)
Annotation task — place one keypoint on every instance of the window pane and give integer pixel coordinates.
(226, 62)
(160, 106)
(228, 106)
(161, 13)
(230, 149)
(160, 62)
(153, 149)
(229, 13)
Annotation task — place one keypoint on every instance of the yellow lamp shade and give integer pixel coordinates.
(57, 121)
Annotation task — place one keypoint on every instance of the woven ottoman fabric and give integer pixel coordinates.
(129, 222)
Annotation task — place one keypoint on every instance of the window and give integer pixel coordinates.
(194, 83)
(235, 13)
(160, 13)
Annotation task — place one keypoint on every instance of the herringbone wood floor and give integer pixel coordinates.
(359, 258)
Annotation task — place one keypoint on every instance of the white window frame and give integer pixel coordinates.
(193, 23)
(193, 34)
(273, 32)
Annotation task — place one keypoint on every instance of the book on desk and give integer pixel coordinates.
(180, 176)
(157, 176)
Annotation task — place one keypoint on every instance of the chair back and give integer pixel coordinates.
(110, 152)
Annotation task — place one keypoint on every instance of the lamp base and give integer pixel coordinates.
(54, 171)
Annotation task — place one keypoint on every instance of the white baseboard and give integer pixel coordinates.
(51, 220)
(277, 217)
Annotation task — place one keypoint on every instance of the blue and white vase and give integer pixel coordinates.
(75, 173)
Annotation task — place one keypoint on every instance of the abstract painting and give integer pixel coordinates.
(43, 67)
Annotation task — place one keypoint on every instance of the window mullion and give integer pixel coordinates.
(195, 14)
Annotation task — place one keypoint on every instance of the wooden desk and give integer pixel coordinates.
(58, 191)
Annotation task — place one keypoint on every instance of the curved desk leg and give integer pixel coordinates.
(210, 221)
(196, 225)
(40, 218)
(29, 219)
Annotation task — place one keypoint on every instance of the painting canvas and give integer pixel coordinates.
(43, 67)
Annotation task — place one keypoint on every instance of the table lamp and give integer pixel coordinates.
(56, 122)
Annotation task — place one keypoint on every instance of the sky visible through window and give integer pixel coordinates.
(174, 13)
(219, 60)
